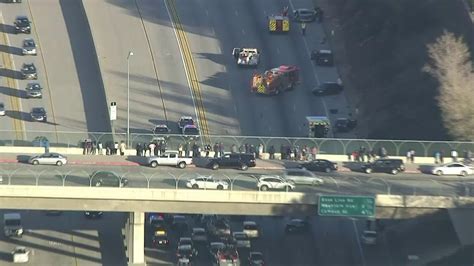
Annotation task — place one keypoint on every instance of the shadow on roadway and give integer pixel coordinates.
(13, 92)
(23, 158)
(87, 66)
(142, 160)
(425, 168)
(10, 73)
(7, 28)
(6, 256)
(20, 115)
(353, 166)
(11, 49)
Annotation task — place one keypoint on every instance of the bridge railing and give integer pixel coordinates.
(350, 185)
(324, 146)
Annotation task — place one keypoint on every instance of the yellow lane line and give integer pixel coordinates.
(18, 123)
(190, 68)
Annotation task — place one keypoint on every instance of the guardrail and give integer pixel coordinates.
(247, 181)
(323, 146)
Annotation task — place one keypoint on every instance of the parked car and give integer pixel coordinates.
(29, 47)
(265, 183)
(22, 25)
(328, 88)
(93, 214)
(160, 241)
(28, 71)
(214, 247)
(392, 166)
(190, 130)
(256, 259)
(304, 15)
(184, 121)
(302, 176)
(107, 179)
(297, 226)
(453, 168)
(207, 182)
(160, 129)
(320, 165)
(48, 158)
(241, 240)
(251, 229)
(38, 114)
(170, 158)
(2, 109)
(322, 57)
(369, 237)
(34, 90)
(199, 235)
(234, 160)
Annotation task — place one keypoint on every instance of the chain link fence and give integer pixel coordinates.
(324, 146)
(340, 185)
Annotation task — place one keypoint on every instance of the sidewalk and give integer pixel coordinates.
(130, 160)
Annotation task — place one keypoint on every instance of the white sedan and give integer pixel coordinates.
(207, 182)
(452, 169)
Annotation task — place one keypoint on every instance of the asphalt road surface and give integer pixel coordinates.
(170, 177)
(159, 87)
(67, 239)
(67, 70)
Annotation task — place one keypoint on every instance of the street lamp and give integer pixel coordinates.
(130, 53)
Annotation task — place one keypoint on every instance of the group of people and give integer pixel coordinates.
(153, 148)
(439, 156)
(363, 154)
(92, 147)
(296, 152)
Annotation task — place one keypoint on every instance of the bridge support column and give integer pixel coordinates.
(136, 239)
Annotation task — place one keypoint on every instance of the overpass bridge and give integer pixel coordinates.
(137, 201)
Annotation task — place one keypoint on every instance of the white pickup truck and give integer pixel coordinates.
(169, 158)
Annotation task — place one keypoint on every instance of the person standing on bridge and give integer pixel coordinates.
(303, 28)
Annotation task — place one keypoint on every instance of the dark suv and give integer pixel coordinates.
(22, 25)
(234, 160)
(392, 166)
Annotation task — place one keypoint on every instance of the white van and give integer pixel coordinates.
(12, 225)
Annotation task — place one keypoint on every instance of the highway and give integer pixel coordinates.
(162, 68)
(68, 239)
(67, 70)
(169, 177)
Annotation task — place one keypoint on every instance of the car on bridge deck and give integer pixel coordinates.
(29, 47)
(392, 166)
(28, 71)
(48, 158)
(297, 226)
(319, 165)
(207, 182)
(22, 25)
(107, 179)
(234, 160)
(39, 114)
(453, 168)
(270, 182)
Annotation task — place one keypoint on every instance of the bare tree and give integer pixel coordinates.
(450, 64)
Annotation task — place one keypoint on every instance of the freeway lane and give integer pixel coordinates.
(157, 76)
(224, 85)
(66, 69)
(168, 177)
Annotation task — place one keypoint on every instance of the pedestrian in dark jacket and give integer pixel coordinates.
(216, 150)
(271, 151)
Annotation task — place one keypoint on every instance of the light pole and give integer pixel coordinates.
(130, 53)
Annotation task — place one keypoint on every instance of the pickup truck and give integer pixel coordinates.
(169, 158)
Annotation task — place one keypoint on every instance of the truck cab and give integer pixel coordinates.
(12, 225)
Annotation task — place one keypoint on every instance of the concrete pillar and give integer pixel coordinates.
(136, 239)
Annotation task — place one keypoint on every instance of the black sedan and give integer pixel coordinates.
(320, 165)
(328, 88)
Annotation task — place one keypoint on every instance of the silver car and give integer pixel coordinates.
(34, 90)
(302, 176)
(48, 158)
(29, 47)
(2, 109)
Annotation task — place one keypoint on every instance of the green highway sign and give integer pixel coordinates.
(346, 206)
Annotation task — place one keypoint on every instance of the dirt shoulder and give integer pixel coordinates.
(380, 50)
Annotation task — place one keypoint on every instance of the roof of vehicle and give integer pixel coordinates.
(199, 230)
(185, 247)
(185, 117)
(325, 51)
(296, 222)
(38, 110)
(250, 50)
(217, 244)
(12, 215)
(249, 223)
(161, 126)
(369, 233)
(239, 235)
(304, 10)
